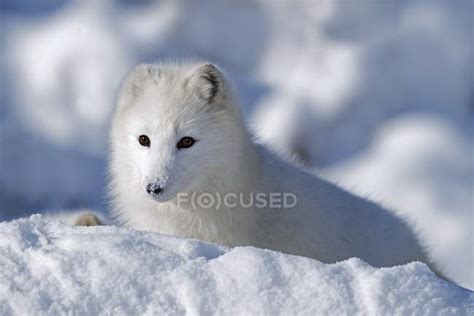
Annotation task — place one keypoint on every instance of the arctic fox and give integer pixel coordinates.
(177, 135)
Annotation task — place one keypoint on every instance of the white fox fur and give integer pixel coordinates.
(169, 101)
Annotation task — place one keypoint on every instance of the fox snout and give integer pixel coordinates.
(154, 189)
(156, 186)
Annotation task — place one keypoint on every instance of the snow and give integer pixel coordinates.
(434, 184)
(377, 95)
(47, 267)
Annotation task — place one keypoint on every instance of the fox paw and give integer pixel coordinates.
(87, 219)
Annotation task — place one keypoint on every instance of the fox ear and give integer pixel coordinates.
(135, 82)
(207, 81)
(138, 76)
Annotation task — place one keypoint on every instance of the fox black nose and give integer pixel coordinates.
(154, 189)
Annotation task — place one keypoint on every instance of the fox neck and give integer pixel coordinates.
(238, 174)
(226, 224)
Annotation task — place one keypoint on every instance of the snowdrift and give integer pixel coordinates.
(48, 267)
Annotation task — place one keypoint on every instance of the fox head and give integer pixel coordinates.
(174, 130)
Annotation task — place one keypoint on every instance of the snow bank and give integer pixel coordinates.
(422, 167)
(48, 267)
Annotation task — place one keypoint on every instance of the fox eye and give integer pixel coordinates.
(185, 142)
(144, 140)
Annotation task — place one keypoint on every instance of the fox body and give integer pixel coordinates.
(177, 129)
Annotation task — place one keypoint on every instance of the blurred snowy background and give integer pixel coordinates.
(378, 95)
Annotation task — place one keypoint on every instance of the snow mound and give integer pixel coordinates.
(51, 268)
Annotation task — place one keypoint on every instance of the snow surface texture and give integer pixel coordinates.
(378, 95)
(47, 267)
